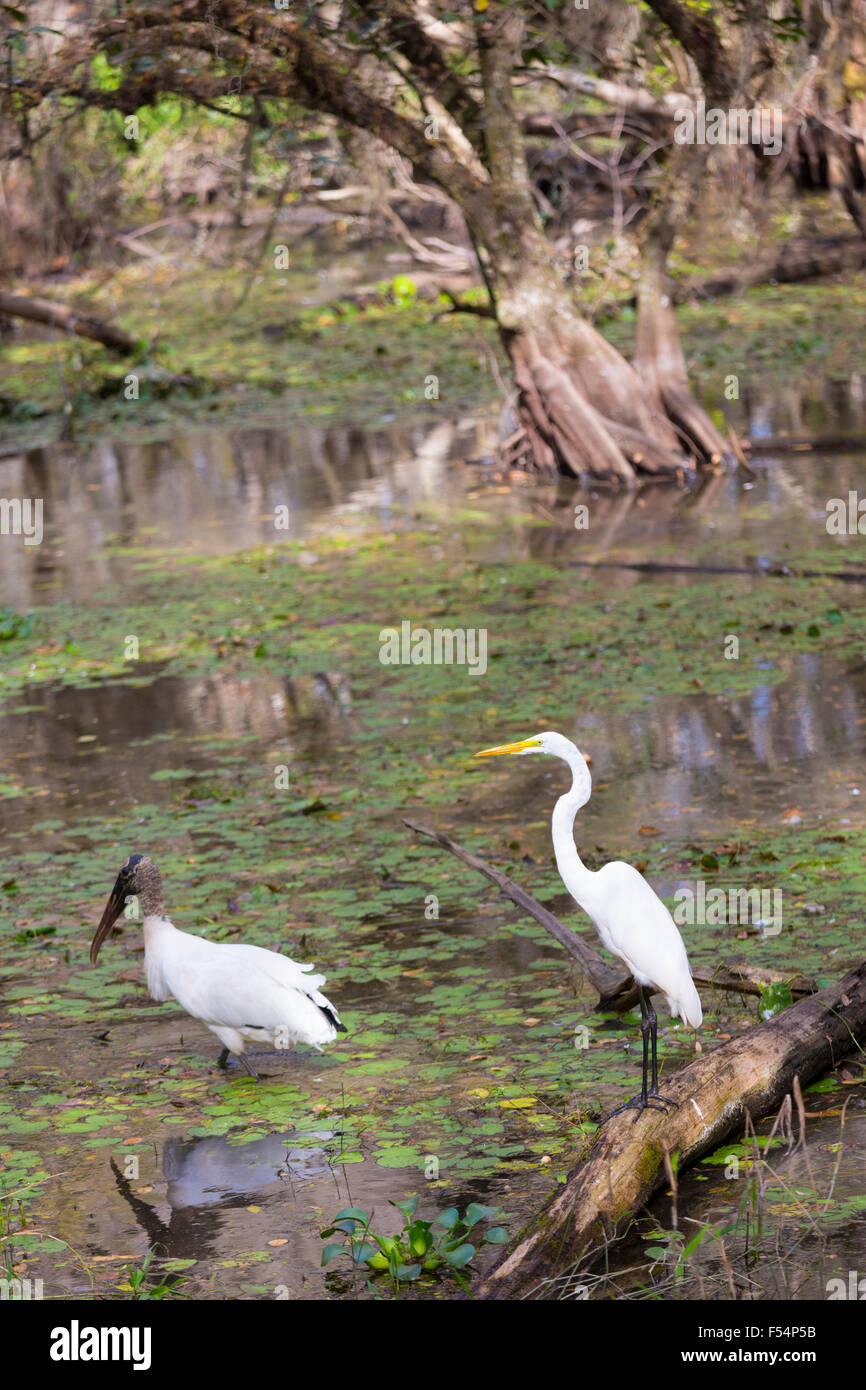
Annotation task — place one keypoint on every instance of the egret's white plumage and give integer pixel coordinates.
(241, 993)
(632, 922)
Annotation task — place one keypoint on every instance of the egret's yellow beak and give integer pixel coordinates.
(509, 748)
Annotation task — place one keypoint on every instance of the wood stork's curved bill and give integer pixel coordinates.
(122, 890)
(525, 745)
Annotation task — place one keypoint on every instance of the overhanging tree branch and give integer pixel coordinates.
(699, 36)
(405, 28)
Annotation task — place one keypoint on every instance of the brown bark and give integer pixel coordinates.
(625, 1167)
(699, 35)
(659, 354)
(415, 42)
(582, 407)
(69, 320)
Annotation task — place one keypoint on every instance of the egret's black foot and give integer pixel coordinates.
(222, 1060)
(652, 1101)
(665, 1100)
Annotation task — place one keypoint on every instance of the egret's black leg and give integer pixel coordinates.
(645, 1031)
(654, 1089)
(223, 1058)
(250, 1068)
(648, 1099)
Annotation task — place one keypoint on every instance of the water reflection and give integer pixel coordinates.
(216, 491)
(728, 523)
(200, 1172)
(698, 762)
(83, 748)
(707, 762)
(215, 1194)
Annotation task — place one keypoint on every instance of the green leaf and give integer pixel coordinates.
(331, 1252)
(420, 1240)
(774, 999)
(357, 1212)
(447, 1218)
(362, 1250)
(497, 1235)
(476, 1212)
(409, 1207)
(461, 1256)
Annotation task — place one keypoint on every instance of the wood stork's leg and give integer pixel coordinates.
(222, 1062)
(249, 1066)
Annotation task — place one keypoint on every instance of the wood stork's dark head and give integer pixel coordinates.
(137, 875)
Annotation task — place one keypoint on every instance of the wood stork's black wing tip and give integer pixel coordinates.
(332, 1018)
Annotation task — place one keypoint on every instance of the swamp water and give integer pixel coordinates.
(474, 1062)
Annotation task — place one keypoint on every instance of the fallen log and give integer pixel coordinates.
(747, 1077)
(753, 571)
(799, 261)
(738, 978)
(69, 320)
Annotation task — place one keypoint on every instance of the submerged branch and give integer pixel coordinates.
(69, 320)
(616, 988)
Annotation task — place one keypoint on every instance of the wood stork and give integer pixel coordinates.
(632, 922)
(241, 993)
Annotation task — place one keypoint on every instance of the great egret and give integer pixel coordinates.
(241, 993)
(631, 920)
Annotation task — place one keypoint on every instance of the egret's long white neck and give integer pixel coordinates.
(578, 879)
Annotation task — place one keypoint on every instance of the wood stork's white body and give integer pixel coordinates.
(241, 993)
